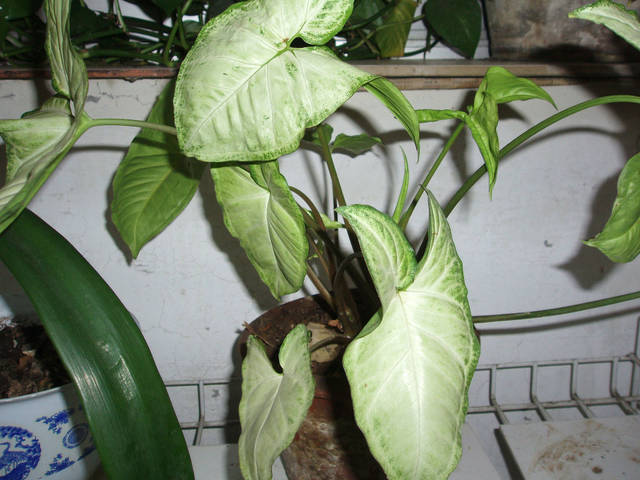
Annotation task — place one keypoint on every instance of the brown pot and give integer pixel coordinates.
(328, 445)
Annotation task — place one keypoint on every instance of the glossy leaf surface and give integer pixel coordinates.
(154, 182)
(131, 417)
(244, 94)
(410, 374)
(620, 238)
(273, 404)
(260, 211)
(457, 22)
(506, 87)
(614, 16)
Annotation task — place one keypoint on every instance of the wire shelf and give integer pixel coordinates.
(491, 382)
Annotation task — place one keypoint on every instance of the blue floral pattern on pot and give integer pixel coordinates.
(19, 453)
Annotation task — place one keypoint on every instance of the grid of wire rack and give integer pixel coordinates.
(621, 373)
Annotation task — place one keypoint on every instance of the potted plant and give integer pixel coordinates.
(236, 110)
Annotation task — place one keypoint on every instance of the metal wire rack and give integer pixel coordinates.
(506, 393)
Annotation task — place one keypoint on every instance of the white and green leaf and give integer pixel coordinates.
(387, 252)
(410, 373)
(260, 211)
(273, 405)
(36, 143)
(68, 71)
(154, 182)
(244, 94)
(620, 238)
(613, 15)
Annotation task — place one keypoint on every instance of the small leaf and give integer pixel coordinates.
(36, 144)
(391, 36)
(388, 254)
(260, 211)
(410, 373)
(397, 104)
(273, 405)
(68, 71)
(457, 22)
(243, 94)
(327, 222)
(620, 238)
(154, 182)
(355, 144)
(428, 115)
(614, 16)
(505, 87)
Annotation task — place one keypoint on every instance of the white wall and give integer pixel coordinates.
(192, 289)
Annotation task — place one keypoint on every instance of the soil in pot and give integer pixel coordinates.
(28, 361)
(329, 444)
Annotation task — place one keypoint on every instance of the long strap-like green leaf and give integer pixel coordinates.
(133, 423)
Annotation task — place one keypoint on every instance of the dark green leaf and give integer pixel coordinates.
(457, 22)
(620, 238)
(154, 182)
(312, 135)
(391, 36)
(355, 144)
(14, 9)
(129, 411)
(167, 6)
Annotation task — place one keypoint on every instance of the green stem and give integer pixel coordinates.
(174, 30)
(125, 122)
(473, 179)
(557, 311)
(432, 171)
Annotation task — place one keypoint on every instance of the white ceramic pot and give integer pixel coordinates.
(45, 435)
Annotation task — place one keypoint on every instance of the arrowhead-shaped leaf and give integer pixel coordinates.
(498, 86)
(410, 375)
(620, 238)
(273, 404)
(506, 87)
(614, 16)
(458, 22)
(36, 143)
(154, 182)
(391, 36)
(260, 211)
(244, 94)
